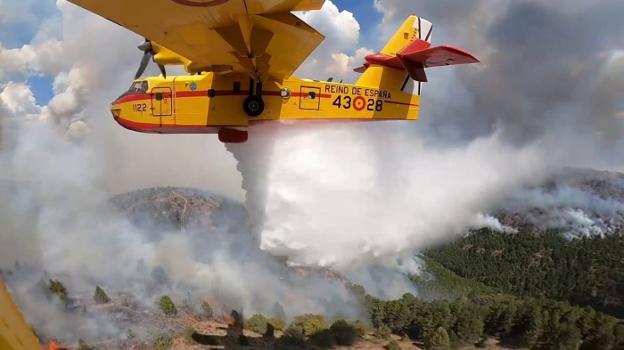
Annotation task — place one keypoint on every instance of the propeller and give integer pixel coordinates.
(148, 53)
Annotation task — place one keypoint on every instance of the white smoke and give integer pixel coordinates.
(579, 203)
(57, 218)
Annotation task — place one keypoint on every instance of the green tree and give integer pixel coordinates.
(396, 314)
(618, 333)
(393, 345)
(243, 340)
(163, 342)
(361, 328)
(437, 340)
(383, 332)
(278, 323)
(602, 335)
(58, 289)
(207, 310)
(310, 324)
(324, 338)
(167, 306)
(100, 297)
(500, 319)
(530, 324)
(82, 345)
(257, 323)
(293, 336)
(344, 333)
(278, 311)
(468, 326)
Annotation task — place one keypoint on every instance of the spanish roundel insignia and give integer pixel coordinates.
(200, 3)
(359, 103)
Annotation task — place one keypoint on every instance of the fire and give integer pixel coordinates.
(54, 345)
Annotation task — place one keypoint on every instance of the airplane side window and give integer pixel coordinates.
(159, 96)
(237, 86)
(312, 95)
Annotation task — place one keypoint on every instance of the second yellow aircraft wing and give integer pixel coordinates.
(259, 37)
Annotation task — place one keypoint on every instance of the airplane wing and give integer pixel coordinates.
(259, 37)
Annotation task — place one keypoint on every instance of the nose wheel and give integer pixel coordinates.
(253, 104)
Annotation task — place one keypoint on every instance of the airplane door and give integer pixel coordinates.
(310, 98)
(162, 101)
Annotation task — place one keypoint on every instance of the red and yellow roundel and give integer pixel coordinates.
(200, 3)
(359, 103)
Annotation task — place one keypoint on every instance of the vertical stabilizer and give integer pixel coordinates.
(414, 28)
(407, 55)
(385, 76)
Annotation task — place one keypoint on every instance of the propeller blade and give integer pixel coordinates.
(144, 62)
(146, 46)
(163, 71)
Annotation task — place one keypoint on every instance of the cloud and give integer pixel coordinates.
(45, 58)
(543, 74)
(333, 58)
(18, 101)
(342, 65)
(340, 27)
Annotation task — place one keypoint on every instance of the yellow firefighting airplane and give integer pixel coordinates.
(240, 56)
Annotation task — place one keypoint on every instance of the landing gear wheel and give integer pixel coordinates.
(253, 106)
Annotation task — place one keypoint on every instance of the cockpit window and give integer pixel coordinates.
(138, 87)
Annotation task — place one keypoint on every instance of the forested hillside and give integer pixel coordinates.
(585, 272)
(525, 323)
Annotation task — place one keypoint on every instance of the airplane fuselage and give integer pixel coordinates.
(208, 103)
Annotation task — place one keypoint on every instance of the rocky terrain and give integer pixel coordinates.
(177, 209)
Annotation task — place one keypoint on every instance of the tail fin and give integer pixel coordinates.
(414, 28)
(406, 55)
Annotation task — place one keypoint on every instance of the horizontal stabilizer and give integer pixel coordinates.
(438, 56)
(419, 55)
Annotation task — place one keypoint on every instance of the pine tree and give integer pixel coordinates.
(278, 311)
(438, 340)
(57, 288)
(207, 310)
(100, 296)
(167, 306)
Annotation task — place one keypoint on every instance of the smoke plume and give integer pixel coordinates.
(337, 195)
